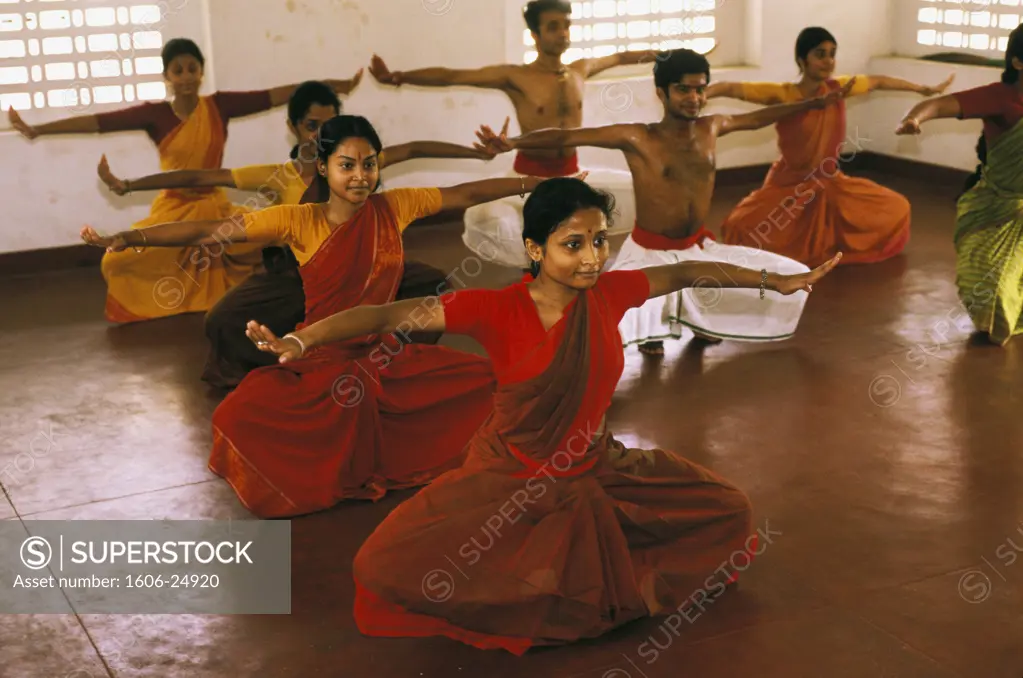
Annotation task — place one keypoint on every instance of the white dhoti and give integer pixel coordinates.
(708, 308)
(494, 230)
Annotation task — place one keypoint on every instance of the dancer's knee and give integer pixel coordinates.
(223, 317)
(734, 503)
(367, 563)
(214, 322)
(741, 505)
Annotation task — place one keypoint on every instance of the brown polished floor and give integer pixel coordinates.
(882, 447)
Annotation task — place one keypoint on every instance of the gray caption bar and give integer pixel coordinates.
(145, 567)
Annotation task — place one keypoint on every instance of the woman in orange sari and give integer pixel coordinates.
(190, 133)
(275, 295)
(552, 531)
(338, 424)
(808, 209)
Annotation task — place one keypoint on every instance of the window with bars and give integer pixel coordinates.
(71, 54)
(603, 27)
(972, 26)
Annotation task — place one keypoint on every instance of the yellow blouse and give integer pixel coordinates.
(771, 93)
(278, 184)
(304, 229)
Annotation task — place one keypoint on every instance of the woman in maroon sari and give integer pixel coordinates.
(357, 418)
(558, 531)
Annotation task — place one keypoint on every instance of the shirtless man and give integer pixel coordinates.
(546, 94)
(673, 168)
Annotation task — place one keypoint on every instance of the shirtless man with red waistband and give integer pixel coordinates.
(673, 166)
(546, 94)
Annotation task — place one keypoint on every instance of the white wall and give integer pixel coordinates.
(950, 143)
(50, 189)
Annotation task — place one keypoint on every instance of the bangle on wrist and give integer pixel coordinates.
(301, 344)
(145, 242)
(763, 281)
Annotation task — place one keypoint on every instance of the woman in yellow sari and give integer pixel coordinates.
(808, 209)
(190, 133)
(989, 214)
(276, 295)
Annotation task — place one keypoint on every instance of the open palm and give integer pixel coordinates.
(113, 183)
(493, 142)
(790, 284)
(20, 125)
(380, 72)
(114, 243)
(835, 95)
(266, 341)
(908, 126)
(939, 88)
(346, 87)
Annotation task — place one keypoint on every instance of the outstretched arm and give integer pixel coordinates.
(591, 67)
(947, 106)
(885, 83)
(464, 196)
(394, 155)
(771, 114)
(175, 179)
(491, 77)
(81, 124)
(674, 277)
(732, 90)
(172, 234)
(425, 314)
(281, 95)
(621, 137)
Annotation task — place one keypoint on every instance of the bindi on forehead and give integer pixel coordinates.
(572, 231)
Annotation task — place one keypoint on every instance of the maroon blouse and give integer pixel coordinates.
(158, 119)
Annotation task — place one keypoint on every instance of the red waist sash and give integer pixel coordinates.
(656, 241)
(547, 167)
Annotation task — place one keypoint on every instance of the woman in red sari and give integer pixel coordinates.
(357, 418)
(558, 531)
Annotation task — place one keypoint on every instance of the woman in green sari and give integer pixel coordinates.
(989, 214)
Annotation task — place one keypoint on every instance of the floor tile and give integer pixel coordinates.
(969, 619)
(822, 643)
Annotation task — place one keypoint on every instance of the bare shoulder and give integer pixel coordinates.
(636, 130)
(639, 133)
(636, 134)
(580, 67)
(517, 72)
(711, 123)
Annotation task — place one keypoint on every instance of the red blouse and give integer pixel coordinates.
(998, 104)
(508, 326)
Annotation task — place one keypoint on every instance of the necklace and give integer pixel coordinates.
(561, 71)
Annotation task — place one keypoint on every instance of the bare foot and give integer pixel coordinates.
(706, 338)
(652, 348)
